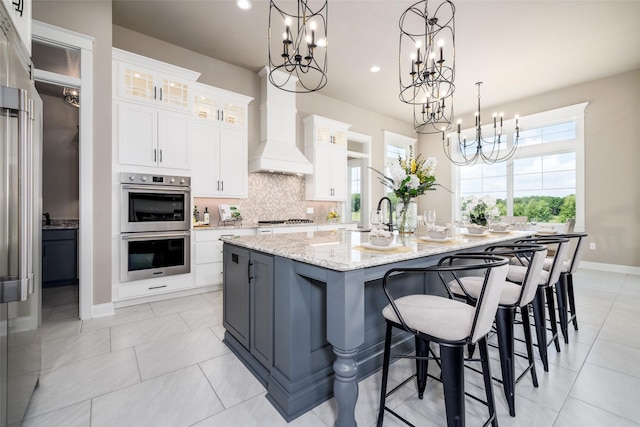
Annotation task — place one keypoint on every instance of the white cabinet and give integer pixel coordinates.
(20, 14)
(219, 166)
(208, 254)
(152, 82)
(220, 106)
(148, 136)
(320, 130)
(326, 148)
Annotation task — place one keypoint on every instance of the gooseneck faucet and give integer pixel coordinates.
(390, 223)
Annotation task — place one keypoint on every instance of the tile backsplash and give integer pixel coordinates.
(271, 197)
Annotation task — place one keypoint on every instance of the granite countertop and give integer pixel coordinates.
(215, 226)
(346, 250)
(61, 224)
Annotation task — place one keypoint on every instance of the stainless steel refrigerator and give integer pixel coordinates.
(20, 227)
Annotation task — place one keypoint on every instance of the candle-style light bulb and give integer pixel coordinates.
(440, 45)
(495, 117)
(312, 25)
(459, 121)
(418, 46)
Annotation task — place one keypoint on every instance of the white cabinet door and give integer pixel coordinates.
(233, 163)
(137, 135)
(329, 181)
(219, 106)
(173, 140)
(219, 166)
(148, 137)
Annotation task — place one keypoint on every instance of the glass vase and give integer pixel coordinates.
(407, 216)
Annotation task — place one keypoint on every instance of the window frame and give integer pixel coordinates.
(575, 113)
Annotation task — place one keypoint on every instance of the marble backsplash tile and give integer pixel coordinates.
(271, 197)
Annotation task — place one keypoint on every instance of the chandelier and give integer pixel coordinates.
(301, 52)
(427, 64)
(71, 96)
(489, 151)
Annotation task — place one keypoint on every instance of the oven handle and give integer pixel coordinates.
(172, 189)
(146, 236)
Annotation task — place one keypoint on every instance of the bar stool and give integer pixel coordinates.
(449, 323)
(545, 292)
(564, 288)
(514, 296)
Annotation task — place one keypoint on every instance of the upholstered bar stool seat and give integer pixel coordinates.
(514, 296)
(449, 323)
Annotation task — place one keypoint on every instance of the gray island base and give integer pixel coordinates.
(303, 310)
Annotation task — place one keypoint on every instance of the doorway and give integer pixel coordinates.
(359, 178)
(65, 58)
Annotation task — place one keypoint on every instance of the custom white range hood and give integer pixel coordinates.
(277, 152)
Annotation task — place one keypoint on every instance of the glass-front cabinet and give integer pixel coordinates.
(220, 106)
(147, 80)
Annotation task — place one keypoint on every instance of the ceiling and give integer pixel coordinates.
(517, 48)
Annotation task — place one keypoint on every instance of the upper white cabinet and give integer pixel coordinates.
(326, 148)
(151, 137)
(146, 80)
(219, 166)
(20, 14)
(220, 106)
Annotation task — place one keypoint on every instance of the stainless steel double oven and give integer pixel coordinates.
(155, 237)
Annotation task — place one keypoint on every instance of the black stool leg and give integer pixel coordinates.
(452, 359)
(572, 300)
(540, 319)
(504, 324)
(561, 295)
(385, 372)
(488, 384)
(422, 365)
(551, 305)
(526, 324)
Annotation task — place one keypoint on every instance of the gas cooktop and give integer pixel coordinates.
(286, 221)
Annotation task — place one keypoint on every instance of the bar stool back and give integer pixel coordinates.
(451, 324)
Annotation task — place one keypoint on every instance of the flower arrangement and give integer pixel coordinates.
(409, 178)
(479, 208)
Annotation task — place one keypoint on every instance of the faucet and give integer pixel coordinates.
(47, 218)
(390, 223)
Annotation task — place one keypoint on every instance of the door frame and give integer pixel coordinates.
(363, 157)
(49, 34)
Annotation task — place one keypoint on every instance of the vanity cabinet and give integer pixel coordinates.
(326, 149)
(152, 82)
(248, 300)
(59, 257)
(148, 136)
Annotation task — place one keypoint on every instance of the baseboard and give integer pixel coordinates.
(168, 295)
(614, 268)
(101, 310)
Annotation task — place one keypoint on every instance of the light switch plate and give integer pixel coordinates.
(310, 210)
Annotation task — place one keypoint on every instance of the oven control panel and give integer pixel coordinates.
(138, 178)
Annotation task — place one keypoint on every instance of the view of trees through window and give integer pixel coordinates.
(540, 182)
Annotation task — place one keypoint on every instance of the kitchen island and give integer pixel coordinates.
(303, 310)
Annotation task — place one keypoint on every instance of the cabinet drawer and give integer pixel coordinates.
(208, 252)
(146, 289)
(209, 274)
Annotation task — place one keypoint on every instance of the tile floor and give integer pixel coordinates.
(164, 364)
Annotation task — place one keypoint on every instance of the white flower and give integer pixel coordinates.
(414, 182)
(430, 165)
(397, 173)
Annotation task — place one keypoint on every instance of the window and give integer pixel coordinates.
(355, 184)
(395, 145)
(545, 179)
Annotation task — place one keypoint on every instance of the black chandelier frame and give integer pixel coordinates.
(301, 56)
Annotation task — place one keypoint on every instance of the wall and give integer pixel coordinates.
(93, 18)
(60, 152)
(612, 202)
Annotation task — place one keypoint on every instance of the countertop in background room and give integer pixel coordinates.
(61, 224)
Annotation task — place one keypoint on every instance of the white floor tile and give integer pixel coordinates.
(78, 415)
(180, 398)
(122, 315)
(617, 357)
(244, 385)
(178, 351)
(204, 317)
(60, 328)
(83, 380)
(60, 351)
(576, 413)
(177, 305)
(148, 330)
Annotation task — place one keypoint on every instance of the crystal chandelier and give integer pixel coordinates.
(301, 52)
(427, 64)
(489, 151)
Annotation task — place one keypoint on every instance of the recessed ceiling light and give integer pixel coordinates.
(243, 4)
(375, 69)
